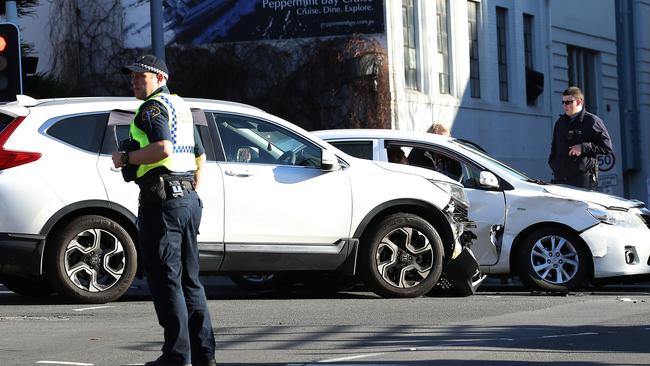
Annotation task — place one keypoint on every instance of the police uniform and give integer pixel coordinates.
(168, 221)
(585, 129)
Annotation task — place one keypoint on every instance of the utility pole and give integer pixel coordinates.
(11, 12)
(157, 36)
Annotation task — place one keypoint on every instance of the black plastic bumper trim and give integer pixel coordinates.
(21, 254)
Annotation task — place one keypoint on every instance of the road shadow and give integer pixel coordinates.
(220, 289)
(587, 338)
(569, 342)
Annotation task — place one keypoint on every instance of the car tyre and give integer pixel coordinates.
(402, 256)
(39, 287)
(91, 260)
(553, 260)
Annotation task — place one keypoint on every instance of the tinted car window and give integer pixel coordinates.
(4, 121)
(248, 140)
(360, 149)
(84, 131)
(468, 175)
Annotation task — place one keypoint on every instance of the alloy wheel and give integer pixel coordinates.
(554, 259)
(404, 257)
(95, 260)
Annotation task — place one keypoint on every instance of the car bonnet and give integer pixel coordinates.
(592, 196)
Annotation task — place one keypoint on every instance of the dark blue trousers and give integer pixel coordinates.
(167, 232)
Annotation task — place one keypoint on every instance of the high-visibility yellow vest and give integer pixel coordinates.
(181, 127)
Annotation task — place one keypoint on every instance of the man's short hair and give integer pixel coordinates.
(573, 91)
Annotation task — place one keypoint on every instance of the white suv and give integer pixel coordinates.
(276, 199)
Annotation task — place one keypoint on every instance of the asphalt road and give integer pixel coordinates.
(502, 325)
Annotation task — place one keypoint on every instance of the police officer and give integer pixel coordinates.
(168, 169)
(578, 137)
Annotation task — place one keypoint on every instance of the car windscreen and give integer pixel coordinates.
(473, 150)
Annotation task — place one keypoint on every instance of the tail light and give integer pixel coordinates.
(12, 158)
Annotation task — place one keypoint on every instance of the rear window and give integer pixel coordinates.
(4, 121)
(84, 131)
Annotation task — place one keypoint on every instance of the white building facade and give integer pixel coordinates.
(464, 63)
(634, 80)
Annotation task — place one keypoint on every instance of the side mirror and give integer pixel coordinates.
(488, 180)
(329, 162)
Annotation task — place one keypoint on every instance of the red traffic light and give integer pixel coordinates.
(10, 62)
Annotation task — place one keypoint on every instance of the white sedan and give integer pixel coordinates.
(554, 237)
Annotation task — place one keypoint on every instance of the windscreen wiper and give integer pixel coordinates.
(538, 181)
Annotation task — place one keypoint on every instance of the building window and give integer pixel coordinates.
(473, 11)
(528, 40)
(582, 73)
(410, 45)
(528, 56)
(443, 46)
(502, 54)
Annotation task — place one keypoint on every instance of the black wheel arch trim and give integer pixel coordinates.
(83, 206)
(429, 212)
(116, 212)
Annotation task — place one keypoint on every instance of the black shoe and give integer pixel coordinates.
(162, 362)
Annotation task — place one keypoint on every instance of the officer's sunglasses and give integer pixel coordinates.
(567, 102)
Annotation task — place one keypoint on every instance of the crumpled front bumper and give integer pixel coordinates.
(462, 270)
(618, 251)
(462, 267)
(461, 276)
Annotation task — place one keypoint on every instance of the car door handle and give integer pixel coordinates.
(239, 173)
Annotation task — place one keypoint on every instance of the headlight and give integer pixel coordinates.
(618, 218)
(454, 190)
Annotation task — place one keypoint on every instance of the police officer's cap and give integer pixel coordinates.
(147, 63)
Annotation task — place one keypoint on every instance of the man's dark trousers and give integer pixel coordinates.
(168, 230)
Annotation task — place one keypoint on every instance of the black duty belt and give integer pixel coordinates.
(166, 186)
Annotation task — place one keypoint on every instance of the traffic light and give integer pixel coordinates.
(11, 81)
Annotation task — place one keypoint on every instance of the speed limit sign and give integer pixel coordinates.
(606, 162)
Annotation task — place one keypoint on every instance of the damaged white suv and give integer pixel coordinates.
(276, 199)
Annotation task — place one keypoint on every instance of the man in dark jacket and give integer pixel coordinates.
(578, 137)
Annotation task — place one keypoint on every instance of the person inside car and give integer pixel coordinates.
(396, 155)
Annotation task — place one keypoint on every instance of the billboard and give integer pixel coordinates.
(196, 22)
